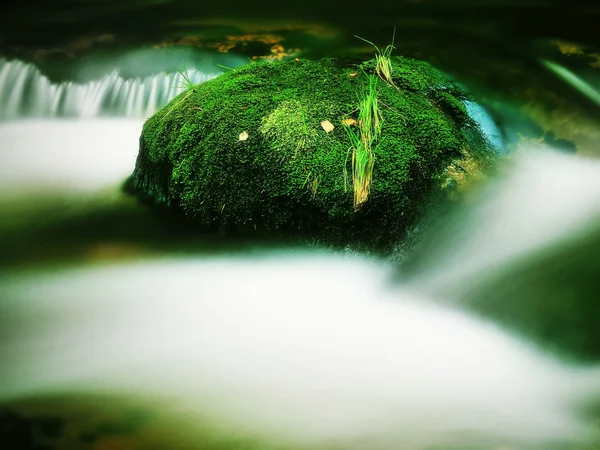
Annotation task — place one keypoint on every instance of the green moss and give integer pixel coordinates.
(289, 175)
(412, 75)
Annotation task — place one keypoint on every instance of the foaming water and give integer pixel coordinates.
(25, 92)
(307, 349)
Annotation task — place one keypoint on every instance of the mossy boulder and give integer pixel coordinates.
(246, 152)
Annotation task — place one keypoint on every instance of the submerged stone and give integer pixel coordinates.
(248, 152)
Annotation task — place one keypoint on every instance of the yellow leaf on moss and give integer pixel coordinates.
(349, 122)
(327, 126)
(243, 135)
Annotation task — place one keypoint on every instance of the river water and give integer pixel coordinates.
(120, 329)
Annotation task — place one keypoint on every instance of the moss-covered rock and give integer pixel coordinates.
(246, 151)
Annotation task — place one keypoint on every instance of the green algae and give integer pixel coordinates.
(290, 176)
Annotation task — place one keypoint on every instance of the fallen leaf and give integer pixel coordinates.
(297, 60)
(349, 122)
(243, 135)
(327, 126)
(353, 74)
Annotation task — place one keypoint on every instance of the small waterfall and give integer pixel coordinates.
(26, 92)
(487, 125)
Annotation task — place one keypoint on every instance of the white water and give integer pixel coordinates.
(55, 167)
(66, 156)
(25, 92)
(541, 199)
(310, 349)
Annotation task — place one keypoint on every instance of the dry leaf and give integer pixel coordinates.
(349, 122)
(353, 74)
(297, 60)
(327, 126)
(243, 135)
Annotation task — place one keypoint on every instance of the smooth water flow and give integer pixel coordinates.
(541, 199)
(52, 168)
(292, 349)
(66, 156)
(309, 349)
